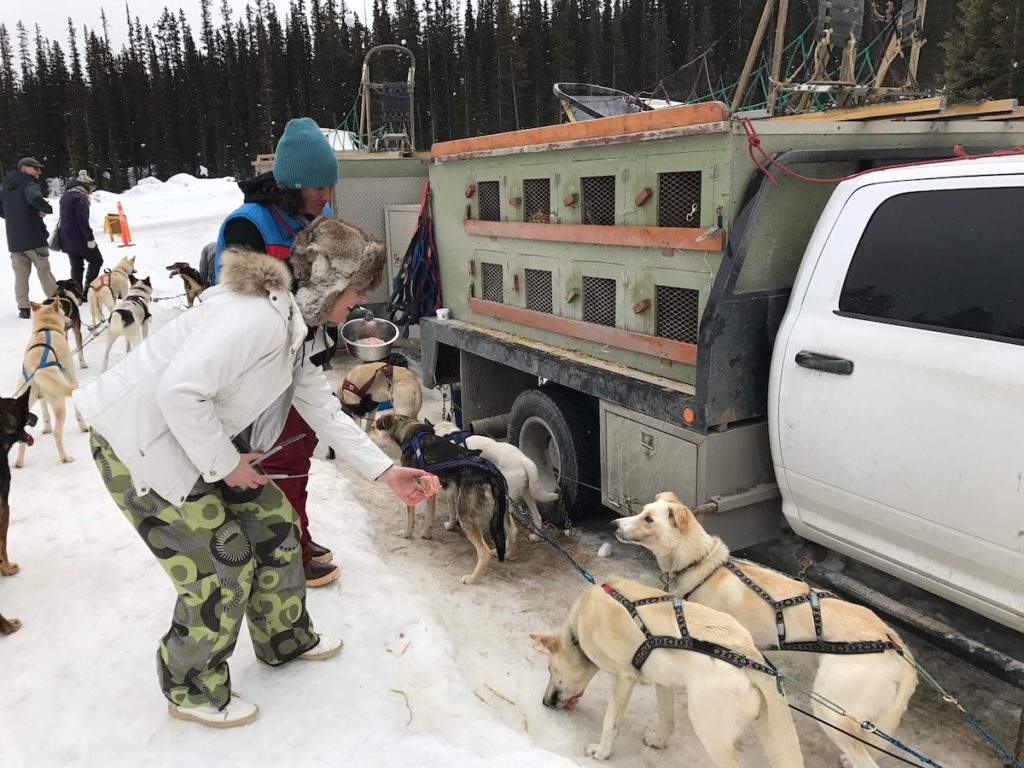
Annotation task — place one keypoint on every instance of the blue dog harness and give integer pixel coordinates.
(46, 361)
(476, 462)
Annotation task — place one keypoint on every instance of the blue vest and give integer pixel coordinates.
(274, 230)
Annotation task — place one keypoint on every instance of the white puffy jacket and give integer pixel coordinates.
(171, 407)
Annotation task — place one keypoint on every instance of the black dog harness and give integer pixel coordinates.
(142, 303)
(46, 361)
(684, 642)
(424, 462)
(813, 598)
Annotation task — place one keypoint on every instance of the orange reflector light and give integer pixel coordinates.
(689, 415)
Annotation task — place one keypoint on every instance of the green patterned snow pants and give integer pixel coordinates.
(225, 560)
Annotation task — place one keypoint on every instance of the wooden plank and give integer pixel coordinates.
(1016, 114)
(638, 122)
(994, 107)
(871, 111)
(667, 349)
(640, 237)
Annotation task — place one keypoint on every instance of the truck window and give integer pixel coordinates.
(948, 260)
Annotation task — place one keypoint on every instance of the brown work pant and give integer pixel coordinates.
(22, 263)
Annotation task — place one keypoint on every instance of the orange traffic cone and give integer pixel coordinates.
(122, 220)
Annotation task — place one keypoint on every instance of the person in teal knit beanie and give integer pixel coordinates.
(304, 157)
(276, 207)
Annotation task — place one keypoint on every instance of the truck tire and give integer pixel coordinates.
(557, 428)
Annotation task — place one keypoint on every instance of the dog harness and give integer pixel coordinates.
(459, 438)
(423, 461)
(45, 361)
(103, 281)
(813, 598)
(366, 403)
(684, 642)
(142, 303)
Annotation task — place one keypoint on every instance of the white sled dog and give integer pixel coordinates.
(130, 320)
(110, 287)
(519, 470)
(723, 698)
(874, 686)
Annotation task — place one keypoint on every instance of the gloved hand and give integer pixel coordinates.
(91, 244)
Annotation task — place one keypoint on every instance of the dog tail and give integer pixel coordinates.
(775, 724)
(94, 305)
(500, 492)
(536, 491)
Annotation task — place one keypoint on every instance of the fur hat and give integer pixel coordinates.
(329, 256)
(83, 176)
(304, 157)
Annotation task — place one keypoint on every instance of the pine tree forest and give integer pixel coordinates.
(177, 99)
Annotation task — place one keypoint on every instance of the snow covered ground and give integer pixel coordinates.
(433, 673)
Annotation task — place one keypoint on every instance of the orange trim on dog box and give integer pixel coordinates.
(682, 238)
(667, 349)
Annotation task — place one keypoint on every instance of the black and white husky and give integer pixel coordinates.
(130, 319)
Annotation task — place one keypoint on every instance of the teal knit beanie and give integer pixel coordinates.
(304, 157)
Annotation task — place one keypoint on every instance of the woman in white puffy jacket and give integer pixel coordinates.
(165, 424)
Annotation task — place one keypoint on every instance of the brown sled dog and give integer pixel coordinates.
(69, 297)
(873, 686)
(48, 372)
(193, 281)
(477, 494)
(14, 418)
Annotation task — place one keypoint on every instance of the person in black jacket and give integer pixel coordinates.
(76, 237)
(22, 206)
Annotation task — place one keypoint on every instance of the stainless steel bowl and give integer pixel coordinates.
(353, 331)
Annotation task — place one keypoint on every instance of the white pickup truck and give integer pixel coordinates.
(896, 389)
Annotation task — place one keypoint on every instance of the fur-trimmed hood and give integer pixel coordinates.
(253, 273)
(329, 256)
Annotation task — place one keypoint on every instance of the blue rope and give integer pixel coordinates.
(898, 744)
(528, 522)
(1014, 762)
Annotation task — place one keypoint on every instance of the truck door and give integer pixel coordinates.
(897, 393)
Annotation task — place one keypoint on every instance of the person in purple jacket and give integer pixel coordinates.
(76, 237)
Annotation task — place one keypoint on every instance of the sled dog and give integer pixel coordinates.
(519, 470)
(130, 320)
(110, 287)
(69, 296)
(368, 385)
(724, 694)
(48, 372)
(476, 491)
(194, 284)
(14, 418)
(873, 683)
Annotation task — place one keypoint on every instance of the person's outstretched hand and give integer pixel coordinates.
(244, 476)
(404, 483)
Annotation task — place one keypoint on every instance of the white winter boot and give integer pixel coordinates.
(327, 648)
(237, 712)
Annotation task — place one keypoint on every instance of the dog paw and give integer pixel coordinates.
(47, 430)
(9, 626)
(597, 752)
(449, 526)
(406, 534)
(533, 537)
(9, 569)
(655, 740)
(68, 459)
(82, 364)
(468, 579)
(19, 464)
